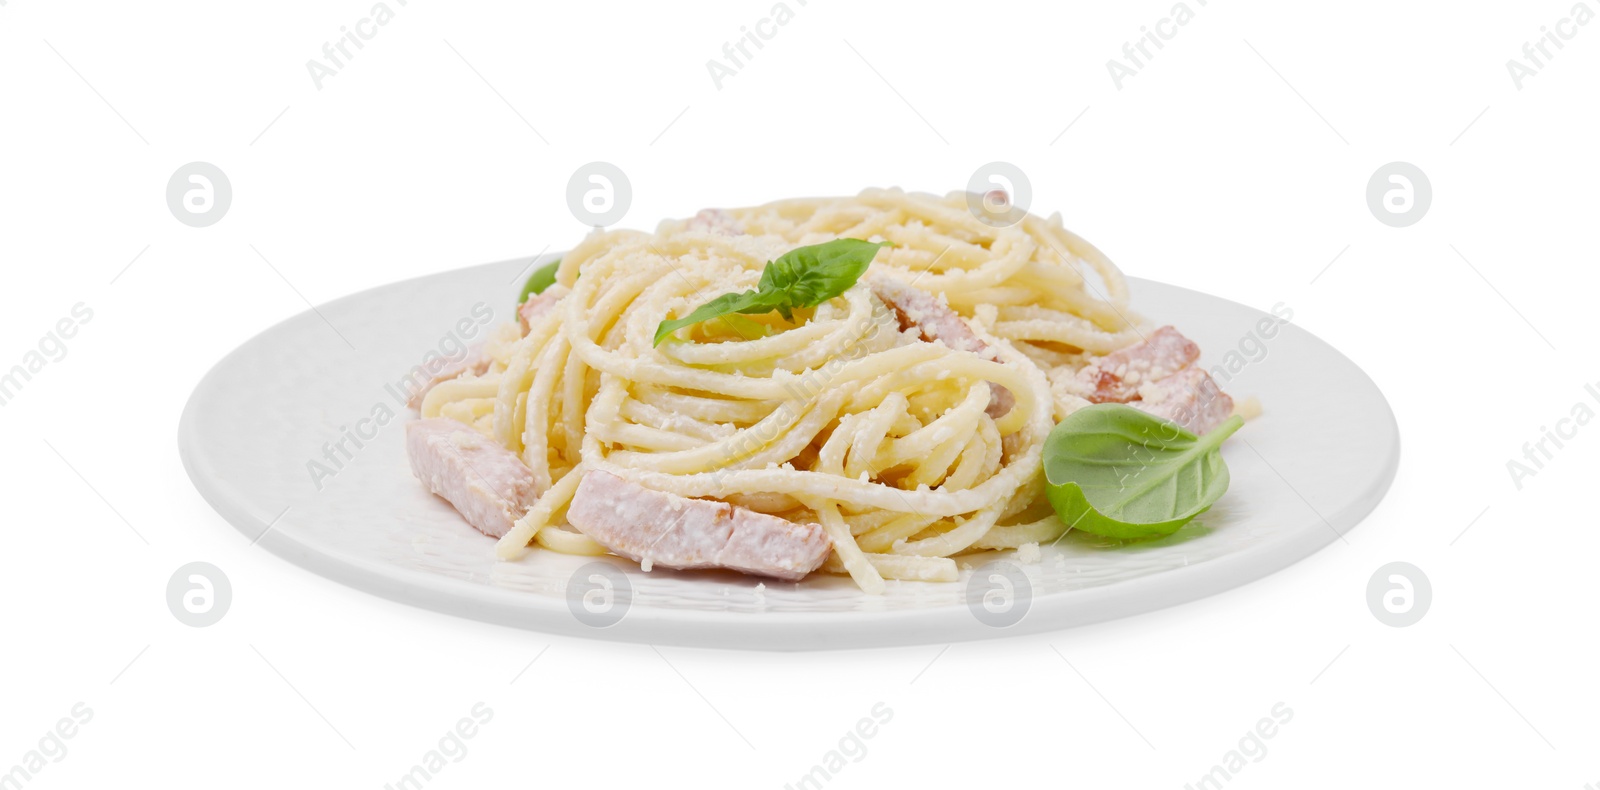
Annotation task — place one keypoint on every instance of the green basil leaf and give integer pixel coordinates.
(802, 277)
(809, 276)
(542, 278)
(745, 302)
(1116, 471)
(744, 327)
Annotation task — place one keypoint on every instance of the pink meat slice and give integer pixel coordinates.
(672, 531)
(539, 305)
(936, 322)
(488, 485)
(475, 362)
(1189, 398)
(1117, 377)
(714, 220)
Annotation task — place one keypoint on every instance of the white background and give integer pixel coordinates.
(1235, 162)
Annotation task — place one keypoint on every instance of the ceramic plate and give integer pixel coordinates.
(297, 439)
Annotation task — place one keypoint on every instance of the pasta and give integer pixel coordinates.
(839, 416)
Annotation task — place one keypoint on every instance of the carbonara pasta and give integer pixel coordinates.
(906, 452)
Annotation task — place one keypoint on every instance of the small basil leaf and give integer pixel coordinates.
(801, 277)
(744, 302)
(809, 276)
(744, 327)
(1116, 471)
(542, 278)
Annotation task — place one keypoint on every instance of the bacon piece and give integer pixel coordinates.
(1189, 398)
(488, 485)
(475, 362)
(936, 322)
(931, 316)
(656, 528)
(1116, 377)
(539, 304)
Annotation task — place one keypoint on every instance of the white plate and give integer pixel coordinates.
(1317, 461)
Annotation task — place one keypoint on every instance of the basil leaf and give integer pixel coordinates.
(745, 302)
(1116, 471)
(744, 327)
(802, 277)
(809, 276)
(542, 278)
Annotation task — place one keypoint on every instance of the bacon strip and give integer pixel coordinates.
(1157, 376)
(656, 528)
(1116, 377)
(1189, 398)
(488, 485)
(937, 323)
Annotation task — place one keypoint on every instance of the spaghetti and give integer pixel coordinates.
(840, 416)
